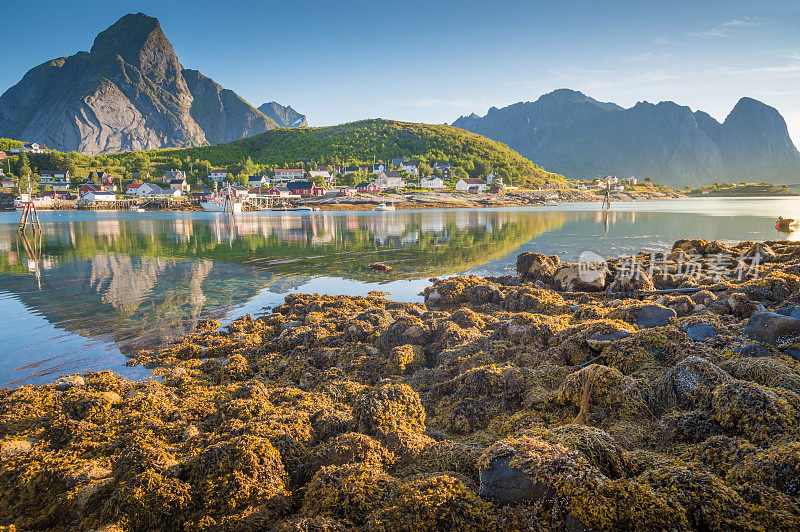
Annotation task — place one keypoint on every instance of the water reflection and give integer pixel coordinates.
(95, 286)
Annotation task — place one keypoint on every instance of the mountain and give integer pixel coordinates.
(578, 136)
(128, 92)
(367, 140)
(283, 116)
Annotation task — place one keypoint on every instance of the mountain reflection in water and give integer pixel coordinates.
(102, 285)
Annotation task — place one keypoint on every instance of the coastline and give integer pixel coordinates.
(546, 397)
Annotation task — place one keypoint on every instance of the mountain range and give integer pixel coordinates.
(570, 133)
(128, 92)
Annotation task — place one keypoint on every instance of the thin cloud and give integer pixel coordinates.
(660, 41)
(724, 29)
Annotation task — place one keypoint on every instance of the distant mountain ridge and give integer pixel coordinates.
(283, 116)
(129, 92)
(580, 137)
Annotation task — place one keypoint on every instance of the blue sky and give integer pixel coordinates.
(431, 61)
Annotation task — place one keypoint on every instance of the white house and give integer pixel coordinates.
(379, 167)
(469, 185)
(218, 174)
(255, 181)
(289, 174)
(409, 167)
(432, 182)
(147, 190)
(98, 195)
(29, 147)
(390, 179)
(324, 174)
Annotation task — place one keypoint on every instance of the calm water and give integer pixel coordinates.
(98, 286)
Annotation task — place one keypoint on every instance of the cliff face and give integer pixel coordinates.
(283, 116)
(129, 92)
(570, 133)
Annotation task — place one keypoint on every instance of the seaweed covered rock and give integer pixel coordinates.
(757, 412)
(599, 392)
(439, 502)
(584, 277)
(690, 383)
(394, 414)
(238, 477)
(537, 267)
(526, 469)
(349, 492)
(778, 467)
(773, 329)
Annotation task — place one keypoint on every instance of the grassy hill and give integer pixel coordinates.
(356, 143)
(359, 143)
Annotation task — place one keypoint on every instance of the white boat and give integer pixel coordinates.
(551, 204)
(303, 208)
(221, 205)
(40, 203)
(384, 207)
(135, 208)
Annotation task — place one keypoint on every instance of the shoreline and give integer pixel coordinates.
(618, 395)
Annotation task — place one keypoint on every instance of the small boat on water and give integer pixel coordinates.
(45, 202)
(303, 208)
(384, 207)
(136, 208)
(221, 205)
(551, 204)
(785, 224)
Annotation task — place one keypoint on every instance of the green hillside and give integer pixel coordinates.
(357, 143)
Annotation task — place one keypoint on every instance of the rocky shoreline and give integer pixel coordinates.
(453, 200)
(660, 391)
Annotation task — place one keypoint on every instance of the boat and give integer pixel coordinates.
(785, 224)
(551, 204)
(384, 207)
(45, 202)
(303, 208)
(136, 208)
(221, 205)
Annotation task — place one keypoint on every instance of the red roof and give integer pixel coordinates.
(135, 185)
(3, 155)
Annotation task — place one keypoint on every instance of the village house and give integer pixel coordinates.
(368, 187)
(173, 174)
(218, 174)
(99, 195)
(57, 179)
(352, 169)
(145, 190)
(282, 192)
(377, 168)
(471, 185)
(57, 194)
(289, 174)
(179, 184)
(257, 191)
(390, 179)
(140, 176)
(101, 177)
(240, 191)
(432, 182)
(202, 195)
(91, 187)
(324, 174)
(305, 188)
(445, 168)
(406, 166)
(29, 147)
(3, 155)
(348, 191)
(255, 181)
(7, 182)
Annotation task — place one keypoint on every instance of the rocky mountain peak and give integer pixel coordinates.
(140, 41)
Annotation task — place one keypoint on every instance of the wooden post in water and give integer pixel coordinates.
(29, 214)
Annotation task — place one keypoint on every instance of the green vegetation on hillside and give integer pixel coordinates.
(357, 143)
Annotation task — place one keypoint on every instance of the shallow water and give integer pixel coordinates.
(99, 285)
